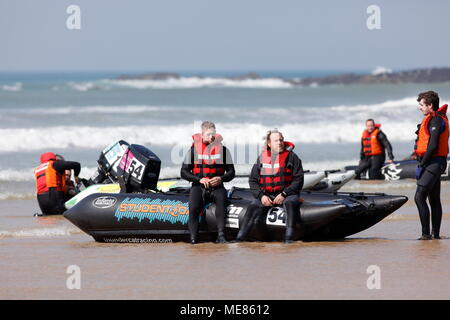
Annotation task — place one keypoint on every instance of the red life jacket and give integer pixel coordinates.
(208, 158)
(371, 145)
(423, 135)
(276, 176)
(46, 176)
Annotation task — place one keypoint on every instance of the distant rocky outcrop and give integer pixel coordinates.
(428, 75)
(150, 76)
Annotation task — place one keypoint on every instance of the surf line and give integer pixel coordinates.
(197, 310)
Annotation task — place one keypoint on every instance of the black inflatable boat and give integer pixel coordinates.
(138, 217)
(138, 212)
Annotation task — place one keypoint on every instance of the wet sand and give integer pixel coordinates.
(35, 254)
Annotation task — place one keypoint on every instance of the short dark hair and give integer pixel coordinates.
(373, 121)
(430, 97)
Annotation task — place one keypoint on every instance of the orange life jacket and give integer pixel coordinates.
(46, 176)
(423, 135)
(371, 145)
(208, 158)
(276, 176)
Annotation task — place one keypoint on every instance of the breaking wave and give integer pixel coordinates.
(185, 83)
(13, 87)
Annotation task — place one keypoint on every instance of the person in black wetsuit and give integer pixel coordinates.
(275, 180)
(431, 149)
(208, 164)
(50, 178)
(374, 143)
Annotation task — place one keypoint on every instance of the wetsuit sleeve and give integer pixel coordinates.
(297, 169)
(187, 166)
(386, 144)
(62, 165)
(253, 181)
(435, 131)
(229, 166)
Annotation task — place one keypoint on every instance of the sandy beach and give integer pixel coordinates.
(36, 253)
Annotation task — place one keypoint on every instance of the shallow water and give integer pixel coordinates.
(36, 253)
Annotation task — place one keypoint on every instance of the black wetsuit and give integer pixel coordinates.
(374, 163)
(199, 196)
(52, 201)
(291, 202)
(429, 182)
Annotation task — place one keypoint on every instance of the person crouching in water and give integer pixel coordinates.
(374, 143)
(431, 149)
(208, 164)
(276, 179)
(50, 178)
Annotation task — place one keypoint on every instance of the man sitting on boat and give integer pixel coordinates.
(275, 180)
(208, 164)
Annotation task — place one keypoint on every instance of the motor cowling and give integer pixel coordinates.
(138, 169)
(108, 162)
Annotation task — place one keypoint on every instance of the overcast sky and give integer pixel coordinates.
(202, 35)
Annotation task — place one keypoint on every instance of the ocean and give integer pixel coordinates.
(79, 114)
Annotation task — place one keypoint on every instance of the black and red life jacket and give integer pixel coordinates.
(275, 176)
(208, 158)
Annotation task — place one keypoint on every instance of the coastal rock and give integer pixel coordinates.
(427, 75)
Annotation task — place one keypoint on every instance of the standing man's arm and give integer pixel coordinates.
(435, 128)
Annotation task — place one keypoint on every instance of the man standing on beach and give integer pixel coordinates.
(373, 145)
(275, 180)
(208, 164)
(431, 149)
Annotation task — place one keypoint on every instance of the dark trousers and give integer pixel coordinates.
(429, 186)
(256, 209)
(198, 198)
(51, 202)
(373, 164)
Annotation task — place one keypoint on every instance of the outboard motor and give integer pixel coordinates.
(108, 162)
(138, 169)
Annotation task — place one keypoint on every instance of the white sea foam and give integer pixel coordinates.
(17, 196)
(89, 110)
(381, 70)
(201, 82)
(398, 108)
(18, 139)
(14, 87)
(333, 124)
(16, 175)
(20, 175)
(86, 86)
(47, 232)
